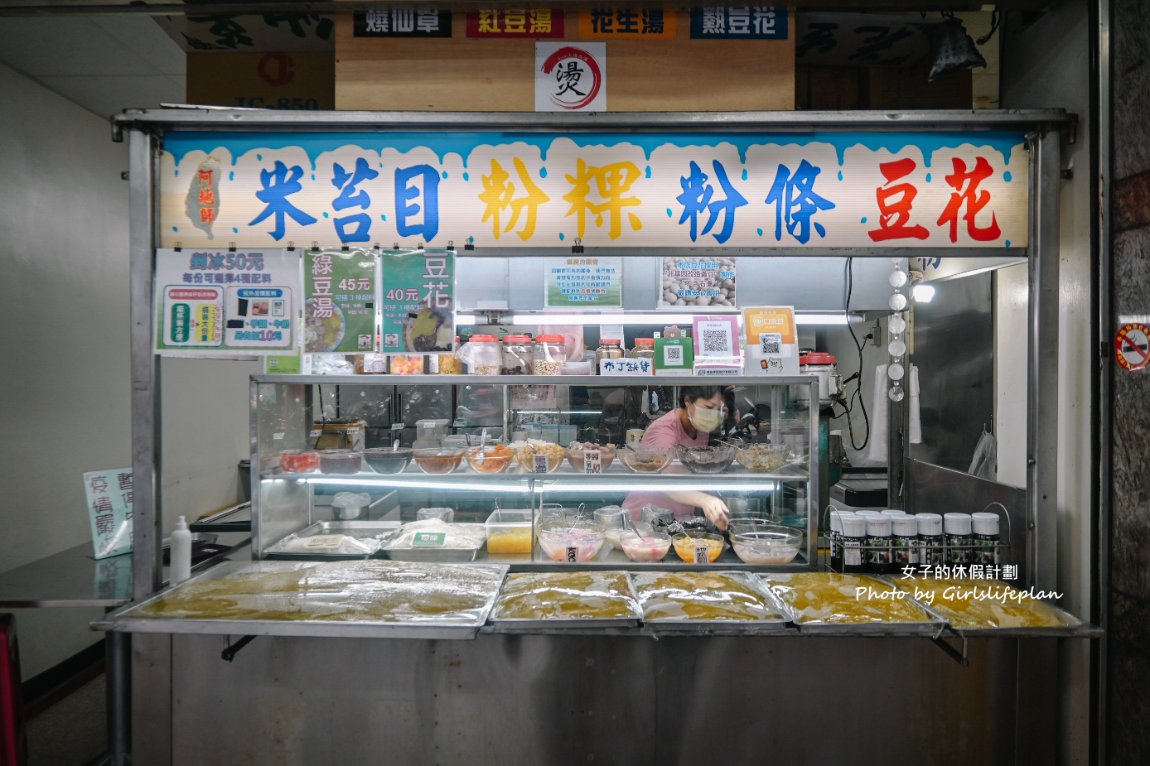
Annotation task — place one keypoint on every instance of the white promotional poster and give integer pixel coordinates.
(226, 302)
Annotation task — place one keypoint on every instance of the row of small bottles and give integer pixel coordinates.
(888, 541)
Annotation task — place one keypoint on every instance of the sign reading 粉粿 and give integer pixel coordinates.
(224, 302)
(583, 282)
(339, 301)
(418, 306)
(495, 189)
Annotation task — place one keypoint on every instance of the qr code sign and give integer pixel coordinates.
(715, 342)
(770, 342)
(673, 355)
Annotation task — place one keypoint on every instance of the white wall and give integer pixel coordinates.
(64, 378)
(64, 385)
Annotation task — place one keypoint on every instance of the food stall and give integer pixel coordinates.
(520, 589)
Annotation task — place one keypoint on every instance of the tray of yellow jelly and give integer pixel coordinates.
(832, 603)
(531, 601)
(977, 606)
(369, 598)
(707, 602)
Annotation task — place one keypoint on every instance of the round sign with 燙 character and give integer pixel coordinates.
(1132, 347)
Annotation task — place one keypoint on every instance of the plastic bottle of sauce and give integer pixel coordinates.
(180, 560)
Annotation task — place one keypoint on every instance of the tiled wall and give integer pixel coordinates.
(1129, 644)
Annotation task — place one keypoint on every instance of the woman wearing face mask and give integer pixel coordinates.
(700, 413)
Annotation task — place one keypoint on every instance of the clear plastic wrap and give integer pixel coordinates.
(702, 596)
(985, 604)
(338, 591)
(566, 596)
(828, 598)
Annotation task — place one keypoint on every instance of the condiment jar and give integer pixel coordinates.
(517, 355)
(878, 544)
(931, 544)
(835, 540)
(985, 528)
(609, 348)
(854, 536)
(644, 349)
(549, 355)
(959, 538)
(482, 355)
(904, 542)
(446, 363)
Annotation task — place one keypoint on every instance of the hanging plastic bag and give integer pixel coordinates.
(984, 465)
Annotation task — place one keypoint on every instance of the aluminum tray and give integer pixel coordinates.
(932, 628)
(356, 529)
(408, 553)
(328, 609)
(561, 624)
(1074, 628)
(720, 627)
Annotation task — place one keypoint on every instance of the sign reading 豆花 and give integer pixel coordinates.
(1132, 347)
(570, 77)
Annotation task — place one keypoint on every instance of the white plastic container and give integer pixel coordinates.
(181, 553)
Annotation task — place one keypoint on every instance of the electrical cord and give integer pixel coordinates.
(857, 396)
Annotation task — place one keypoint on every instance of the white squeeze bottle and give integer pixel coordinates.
(181, 553)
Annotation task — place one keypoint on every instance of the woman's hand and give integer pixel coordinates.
(715, 510)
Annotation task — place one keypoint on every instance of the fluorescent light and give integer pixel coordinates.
(520, 319)
(923, 293)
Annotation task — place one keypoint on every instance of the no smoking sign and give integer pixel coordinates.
(1132, 347)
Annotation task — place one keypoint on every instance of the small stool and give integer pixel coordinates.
(13, 744)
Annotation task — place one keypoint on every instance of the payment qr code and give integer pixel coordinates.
(715, 342)
(770, 342)
(673, 354)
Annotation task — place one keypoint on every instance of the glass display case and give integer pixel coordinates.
(536, 472)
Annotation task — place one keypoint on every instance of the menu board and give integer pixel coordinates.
(339, 307)
(225, 302)
(418, 301)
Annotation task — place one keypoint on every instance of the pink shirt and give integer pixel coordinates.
(666, 432)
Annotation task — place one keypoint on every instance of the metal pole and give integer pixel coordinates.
(147, 523)
(1042, 364)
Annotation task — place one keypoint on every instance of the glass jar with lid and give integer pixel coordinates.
(482, 355)
(517, 350)
(644, 349)
(549, 355)
(609, 348)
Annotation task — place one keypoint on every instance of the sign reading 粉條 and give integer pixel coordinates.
(495, 189)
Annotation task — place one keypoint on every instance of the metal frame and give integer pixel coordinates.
(145, 128)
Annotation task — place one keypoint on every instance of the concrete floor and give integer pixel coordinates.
(72, 732)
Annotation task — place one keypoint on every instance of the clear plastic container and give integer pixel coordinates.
(548, 356)
(609, 348)
(518, 351)
(644, 349)
(340, 461)
(509, 532)
(482, 355)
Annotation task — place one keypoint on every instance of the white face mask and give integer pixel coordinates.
(706, 421)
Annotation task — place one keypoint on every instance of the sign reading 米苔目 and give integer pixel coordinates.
(496, 189)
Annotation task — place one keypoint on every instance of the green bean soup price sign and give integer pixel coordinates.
(340, 306)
